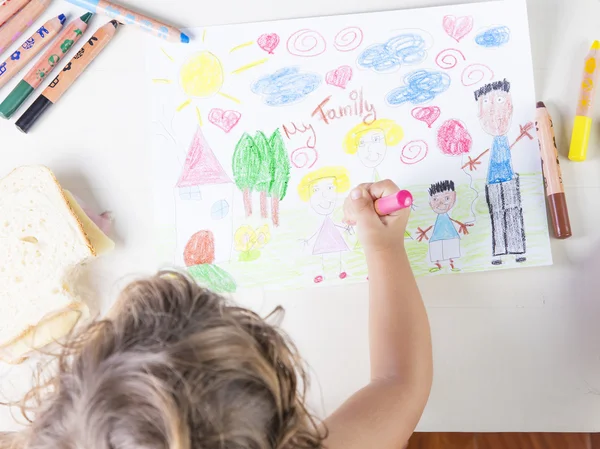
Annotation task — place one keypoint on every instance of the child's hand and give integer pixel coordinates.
(374, 232)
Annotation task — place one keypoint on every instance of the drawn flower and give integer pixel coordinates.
(244, 238)
(79, 54)
(28, 44)
(16, 56)
(248, 242)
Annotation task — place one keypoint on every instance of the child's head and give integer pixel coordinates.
(495, 107)
(442, 197)
(174, 367)
(372, 141)
(322, 186)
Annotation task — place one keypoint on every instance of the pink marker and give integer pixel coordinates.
(393, 203)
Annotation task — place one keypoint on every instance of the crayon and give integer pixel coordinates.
(23, 20)
(128, 17)
(30, 48)
(9, 8)
(394, 203)
(583, 120)
(555, 191)
(68, 76)
(44, 66)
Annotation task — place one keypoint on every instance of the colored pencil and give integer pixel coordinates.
(9, 8)
(44, 66)
(23, 20)
(68, 76)
(128, 17)
(30, 48)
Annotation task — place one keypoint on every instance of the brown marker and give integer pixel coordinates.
(555, 191)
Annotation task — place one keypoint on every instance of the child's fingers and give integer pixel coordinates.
(360, 207)
(383, 188)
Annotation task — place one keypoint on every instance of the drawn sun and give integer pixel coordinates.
(202, 76)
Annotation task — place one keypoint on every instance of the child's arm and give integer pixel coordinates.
(384, 414)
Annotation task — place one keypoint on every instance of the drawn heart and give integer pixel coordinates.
(339, 77)
(268, 42)
(428, 114)
(458, 27)
(226, 120)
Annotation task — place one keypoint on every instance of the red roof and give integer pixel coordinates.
(201, 166)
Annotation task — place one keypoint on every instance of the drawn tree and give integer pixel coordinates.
(280, 173)
(246, 166)
(264, 175)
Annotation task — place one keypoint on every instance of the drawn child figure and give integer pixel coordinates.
(444, 244)
(321, 189)
(371, 142)
(503, 187)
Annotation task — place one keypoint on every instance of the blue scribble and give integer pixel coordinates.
(420, 87)
(399, 50)
(112, 12)
(15, 56)
(286, 86)
(129, 19)
(493, 37)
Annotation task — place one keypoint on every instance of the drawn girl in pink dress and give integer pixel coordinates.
(321, 189)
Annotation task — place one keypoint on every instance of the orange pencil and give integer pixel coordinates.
(31, 47)
(68, 76)
(23, 20)
(44, 66)
(9, 8)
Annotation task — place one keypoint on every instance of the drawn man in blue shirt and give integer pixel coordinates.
(503, 188)
(444, 244)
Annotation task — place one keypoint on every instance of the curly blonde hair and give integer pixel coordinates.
(173, 366)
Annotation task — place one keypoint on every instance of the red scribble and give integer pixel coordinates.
(268, 42)
(473, 163)
(428, 114)
(305, 157)
(306, 43)
(458, 27)
(449, 58)
(312, 139)
(454, 139)
(339, 77)
(476, 73)
(414, 152)
(348, 39)
(200, 249)
(226, 120)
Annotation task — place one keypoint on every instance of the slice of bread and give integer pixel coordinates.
(44, 237)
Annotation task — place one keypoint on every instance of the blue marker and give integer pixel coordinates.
(123, 15)
(30, 48)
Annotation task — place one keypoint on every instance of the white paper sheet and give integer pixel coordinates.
(323, 104)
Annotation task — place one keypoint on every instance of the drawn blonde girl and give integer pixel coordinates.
(321, 188)
(372, 141)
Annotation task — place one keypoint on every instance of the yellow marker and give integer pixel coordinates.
(583, 121)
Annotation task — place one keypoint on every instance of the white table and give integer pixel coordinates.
(514, 351)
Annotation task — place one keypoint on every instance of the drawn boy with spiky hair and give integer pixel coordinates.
(444, 244)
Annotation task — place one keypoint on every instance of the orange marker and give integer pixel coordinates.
(9, 8)
(30, 48)
(23, 20)
(68, 76)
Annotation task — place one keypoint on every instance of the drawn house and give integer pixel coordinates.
(203, 199)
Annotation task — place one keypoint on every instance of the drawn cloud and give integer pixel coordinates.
(406, 48)
(286, 86)
(493, 37)
(419, 87)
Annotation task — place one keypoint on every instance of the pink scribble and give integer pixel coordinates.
(414, 152)
(306, 43)
(339, 77)
(454, 139)
(427, 114)
(305, 157)
(226, 120)
(348, 39)
(268, 42)
(201, 166)
(476, 73)
(458, 27)
(449, 58)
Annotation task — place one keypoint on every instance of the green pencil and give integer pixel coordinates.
(44, 66)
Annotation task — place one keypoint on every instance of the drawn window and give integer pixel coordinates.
(219, 210)
(190, 193)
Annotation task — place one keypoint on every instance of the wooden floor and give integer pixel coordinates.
(504, 441)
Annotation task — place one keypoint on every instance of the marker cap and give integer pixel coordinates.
(580, 139)
(15, 99)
